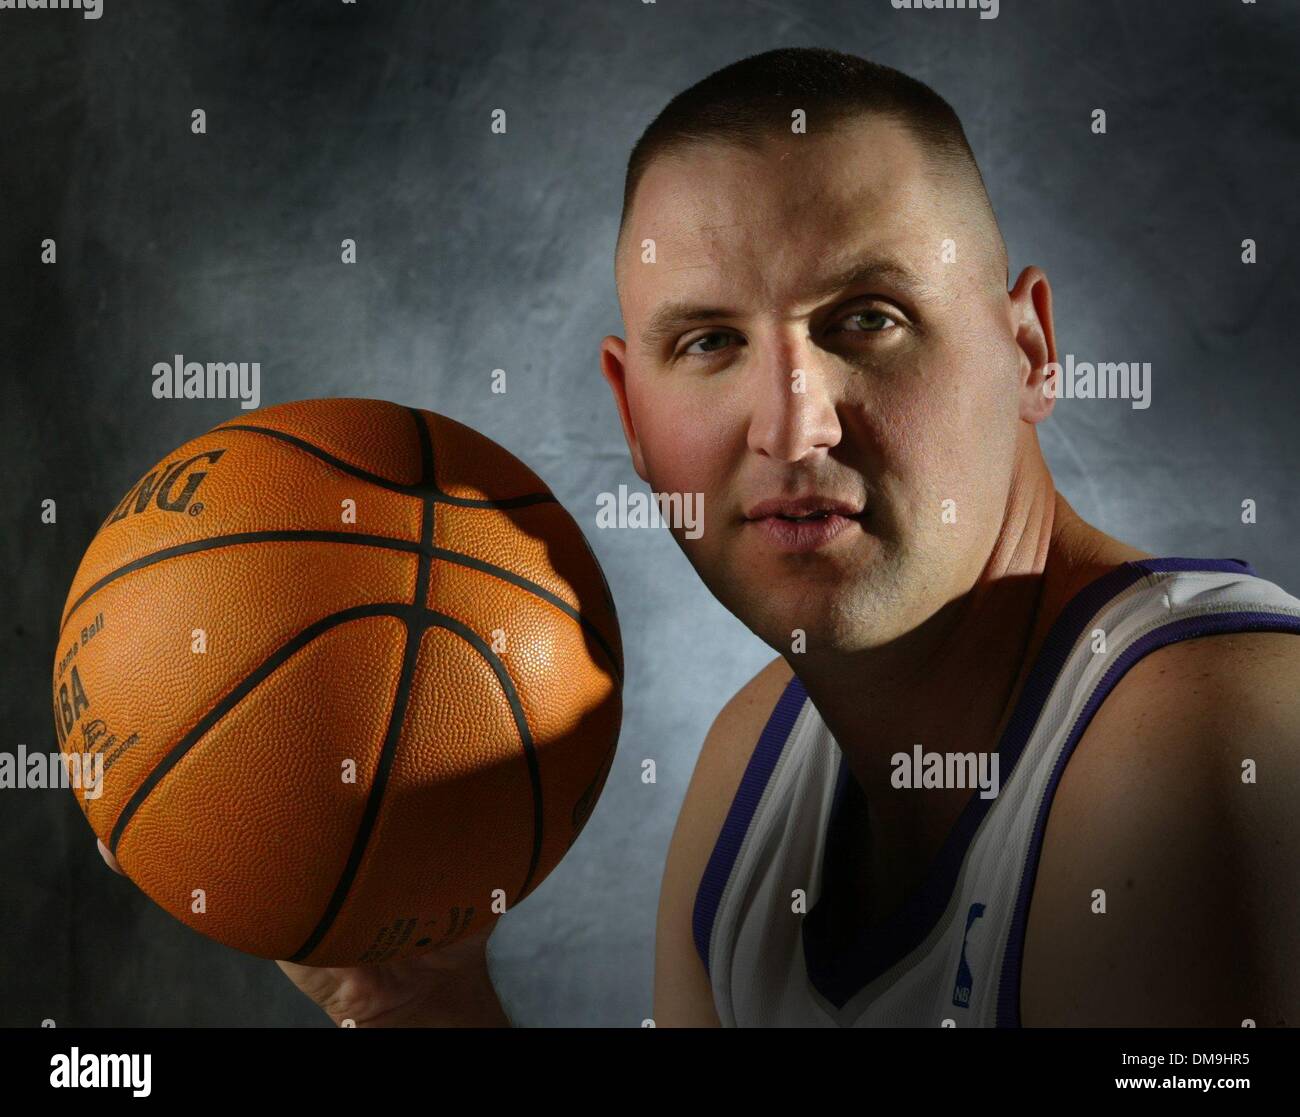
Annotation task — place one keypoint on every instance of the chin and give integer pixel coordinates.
(828, 621)
(842, 613)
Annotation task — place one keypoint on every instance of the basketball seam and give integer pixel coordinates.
(401, 706)
(428, 489)
(379, 784)
(214, 542)
(433, 619)
(236, 694)
(385, 542)
(417, 619)
(396, 717)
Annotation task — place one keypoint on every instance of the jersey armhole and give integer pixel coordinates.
(1245, 618)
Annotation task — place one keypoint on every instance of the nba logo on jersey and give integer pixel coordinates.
(961, 990)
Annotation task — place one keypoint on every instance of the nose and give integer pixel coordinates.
(794, 415)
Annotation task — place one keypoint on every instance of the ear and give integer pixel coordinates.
(1031, 319)
(613, 366)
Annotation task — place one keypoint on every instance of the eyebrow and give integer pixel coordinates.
(674, 316)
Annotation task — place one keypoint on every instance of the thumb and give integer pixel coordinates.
(108, 857)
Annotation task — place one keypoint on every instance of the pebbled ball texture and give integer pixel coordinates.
(352, 674)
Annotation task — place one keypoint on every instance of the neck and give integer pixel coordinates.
(951, 684)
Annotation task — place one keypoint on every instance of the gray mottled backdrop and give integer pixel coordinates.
(480, 251)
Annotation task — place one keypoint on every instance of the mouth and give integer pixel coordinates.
(805, 508)
(819, 515)
(804, 524)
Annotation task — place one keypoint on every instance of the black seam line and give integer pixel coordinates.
(360, 840)
(417, 621)
(423, 488)
(396, 717)
(408, 546)
(213, 541)
(239, 692)
(425, 570)
(427, 479)
(532, 587)
(525, 735)
(426, 514)
(416, 632)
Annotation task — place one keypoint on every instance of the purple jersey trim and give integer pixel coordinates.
(752, 784)
(1008, 1013)
(842, 959)
(839, 972)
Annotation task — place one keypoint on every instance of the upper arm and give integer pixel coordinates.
(682, 994)
(1197, 860)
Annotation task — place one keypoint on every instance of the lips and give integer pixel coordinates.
(799, 525)
(812, 506)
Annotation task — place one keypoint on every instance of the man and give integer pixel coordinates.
(819, 326)
(820, 340)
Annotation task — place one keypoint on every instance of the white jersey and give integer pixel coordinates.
(951, 954)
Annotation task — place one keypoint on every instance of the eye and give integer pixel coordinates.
(704, 338)
(868, 321)
(871, 321)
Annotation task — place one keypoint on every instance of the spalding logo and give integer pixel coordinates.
(159, 486)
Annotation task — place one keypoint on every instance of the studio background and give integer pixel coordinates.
(479, 251)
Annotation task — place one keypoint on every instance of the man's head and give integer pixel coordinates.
(825, 313)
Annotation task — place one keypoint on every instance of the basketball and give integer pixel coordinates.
(353, 676)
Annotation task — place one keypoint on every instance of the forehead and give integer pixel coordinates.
(793, 206)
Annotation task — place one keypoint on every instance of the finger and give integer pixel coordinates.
(108, 857)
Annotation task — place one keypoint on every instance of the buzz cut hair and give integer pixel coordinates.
(752, 100)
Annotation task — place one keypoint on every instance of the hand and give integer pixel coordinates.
(107, 855)
(449, 987)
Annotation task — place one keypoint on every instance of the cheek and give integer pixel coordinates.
(681, 443)
(948, 430)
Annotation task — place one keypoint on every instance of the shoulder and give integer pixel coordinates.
(682, 994)
(729, 745)
(1164, 890)
(719, 767)
(749, 708)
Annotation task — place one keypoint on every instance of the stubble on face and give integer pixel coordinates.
(900, 421)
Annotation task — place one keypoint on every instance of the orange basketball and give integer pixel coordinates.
(353, 676)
